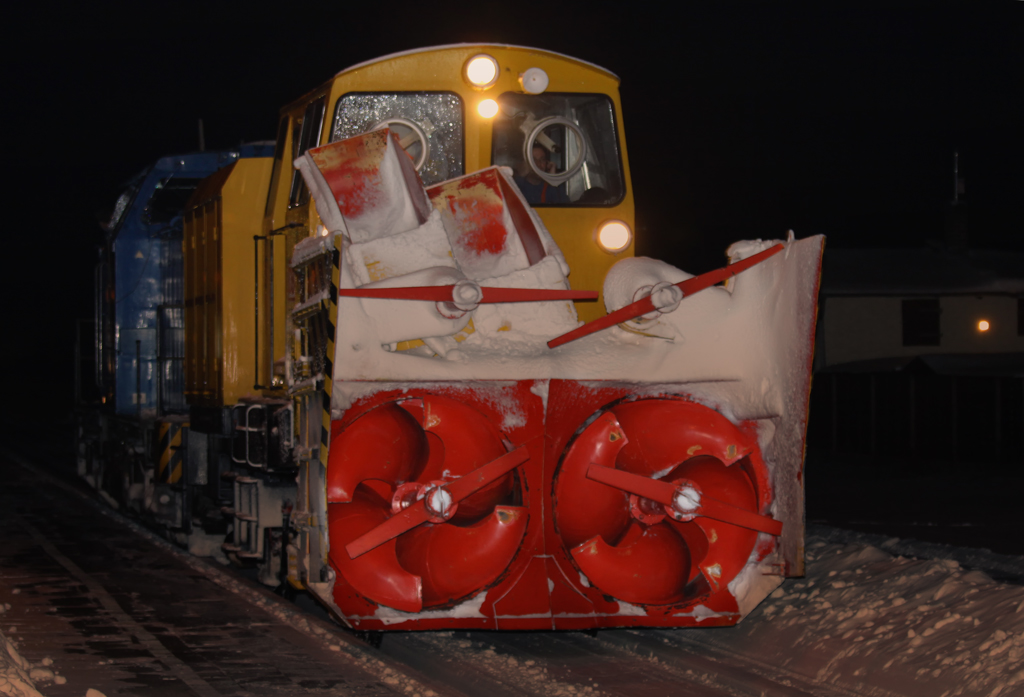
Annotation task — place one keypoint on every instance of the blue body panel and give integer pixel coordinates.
(149, 280)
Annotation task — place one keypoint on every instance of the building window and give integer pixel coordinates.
(921, 322)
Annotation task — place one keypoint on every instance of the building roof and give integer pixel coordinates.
(959, 364)
(921, 271)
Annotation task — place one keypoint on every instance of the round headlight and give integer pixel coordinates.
(481, 71)
(613, 236)
(487, 108)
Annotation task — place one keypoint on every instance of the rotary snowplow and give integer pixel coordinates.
(491, 462)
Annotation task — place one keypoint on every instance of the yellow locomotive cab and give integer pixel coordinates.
(566, 108)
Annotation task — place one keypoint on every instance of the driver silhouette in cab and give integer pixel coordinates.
(535, 189)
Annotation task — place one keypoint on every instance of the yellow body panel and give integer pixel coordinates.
(441, 69)
(224, 214)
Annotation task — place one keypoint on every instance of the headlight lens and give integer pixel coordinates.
(481, 71)
(487, 108)
(613, 236)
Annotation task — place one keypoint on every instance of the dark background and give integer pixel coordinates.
(742, 121)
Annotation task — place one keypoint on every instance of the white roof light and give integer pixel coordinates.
(534, 81)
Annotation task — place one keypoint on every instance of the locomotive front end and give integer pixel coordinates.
(647, 473)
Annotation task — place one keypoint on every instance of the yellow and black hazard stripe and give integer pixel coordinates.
(172, 454)
(332, 320)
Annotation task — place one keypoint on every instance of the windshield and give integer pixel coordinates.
(563, 148)
(428, 125)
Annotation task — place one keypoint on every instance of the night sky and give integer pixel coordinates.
(742, 120)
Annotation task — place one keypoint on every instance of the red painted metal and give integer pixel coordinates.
(657, 443)
(665, 493)
(462, 439)
(378, 574)
(454, 561)
(650, 565)
(646, 305)
(587, 508)
(559, 550)
(490, 295)
(387, 445)
(418, 513)
(654, 449)
(388, 547)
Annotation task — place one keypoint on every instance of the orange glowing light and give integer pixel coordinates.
(482, 71)
(487, 108)
(614, 236)
(983, 325)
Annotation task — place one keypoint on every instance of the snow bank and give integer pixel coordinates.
(870, 622)
(15, 671)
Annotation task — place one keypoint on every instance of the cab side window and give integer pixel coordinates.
(307, 136)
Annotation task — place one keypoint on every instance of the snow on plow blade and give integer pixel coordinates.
(646, 471)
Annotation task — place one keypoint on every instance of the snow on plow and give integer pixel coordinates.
(494, 464)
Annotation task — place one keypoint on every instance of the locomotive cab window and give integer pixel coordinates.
(429, 125)
(562, 148)
(306, 136)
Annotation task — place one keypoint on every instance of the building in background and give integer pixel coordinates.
(921, 353)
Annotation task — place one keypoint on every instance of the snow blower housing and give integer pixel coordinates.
(488, 462)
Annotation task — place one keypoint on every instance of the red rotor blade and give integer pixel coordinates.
(479, 478)
(403, 521)
(719, 510)
(441, 294)
(417, 514)
(490, 295)
(645, 305)
(465, 439)
(378, 575)
(663, 492)
(525, 295)
(653, 489)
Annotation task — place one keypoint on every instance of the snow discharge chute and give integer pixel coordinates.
(655, 501)
(419, 495)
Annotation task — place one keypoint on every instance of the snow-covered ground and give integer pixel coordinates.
(875, 623)
(15, 671)
(874, 616)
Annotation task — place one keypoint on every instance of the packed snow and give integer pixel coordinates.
(872, 622)
(19, 677)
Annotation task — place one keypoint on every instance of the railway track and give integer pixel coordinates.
(170, 618)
